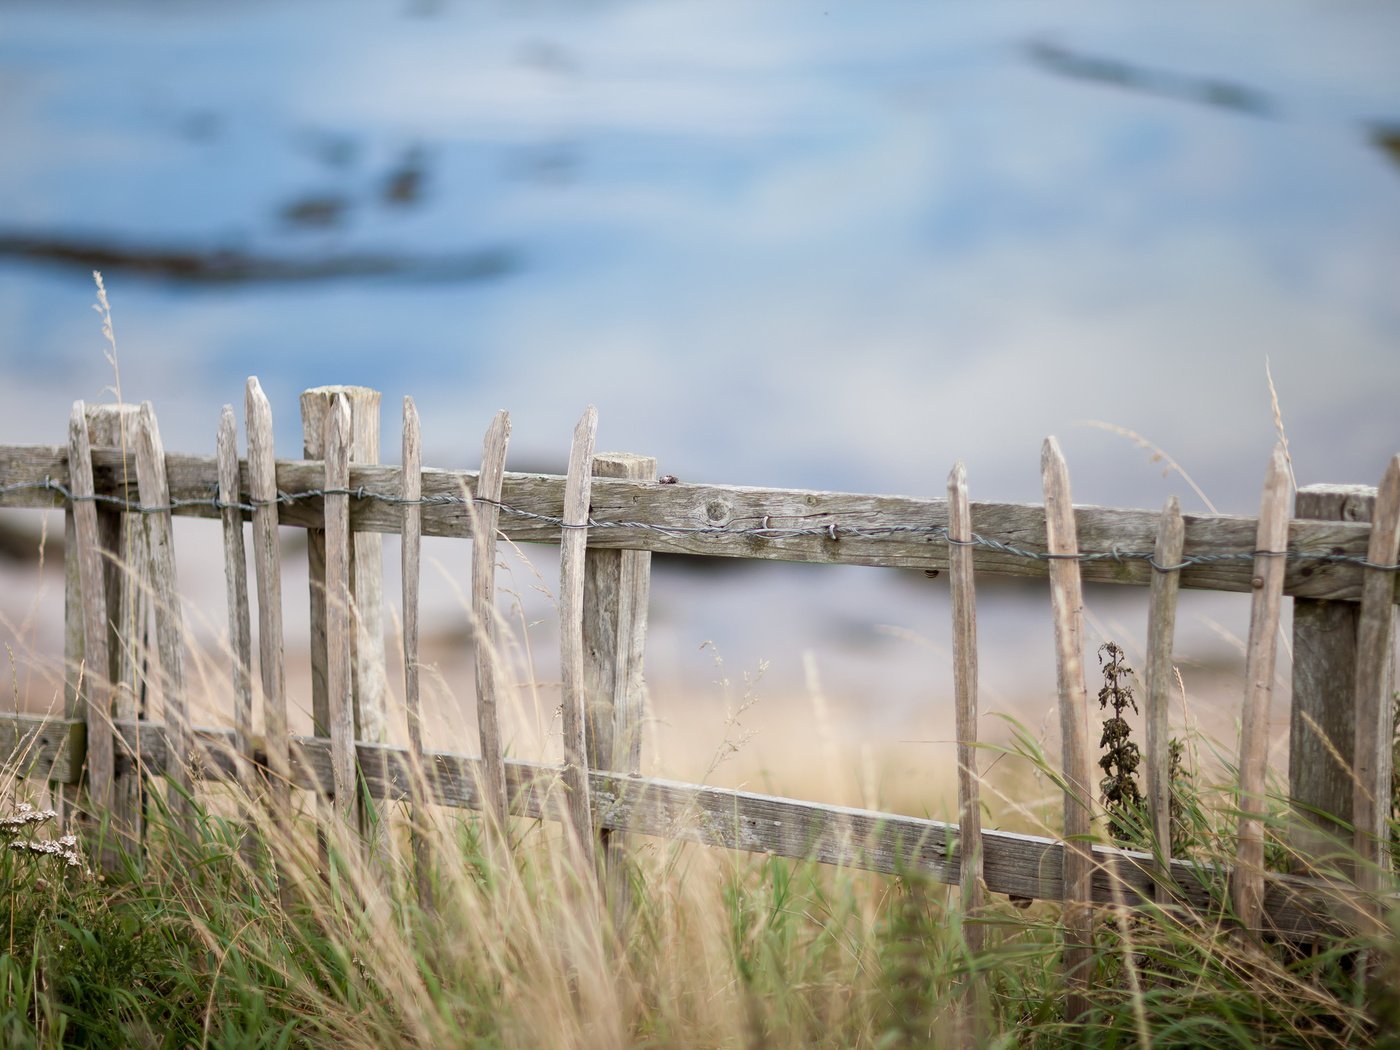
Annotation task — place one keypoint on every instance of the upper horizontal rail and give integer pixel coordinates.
(1325, 558)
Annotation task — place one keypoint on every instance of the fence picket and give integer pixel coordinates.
(1247, 883)
(1067, 600)
(170, 621)
(411, 551)
(95, 684)
(340, 700)
(485, 518)
(1161, 631)
(267, 563)
(616, 591)
(1375, 728)
(236, 581)
(126, 565)
(964, 598)
(573, 542)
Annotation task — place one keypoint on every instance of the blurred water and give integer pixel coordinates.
(830, 245)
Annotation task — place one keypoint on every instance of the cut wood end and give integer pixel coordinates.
(254, 398)
(958, 475)
(410, 410)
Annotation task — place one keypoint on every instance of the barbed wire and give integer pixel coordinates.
(764, 529)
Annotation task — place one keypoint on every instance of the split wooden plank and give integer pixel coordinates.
(411, 560)
(1161, 631)
(1375, 727)
(1322, 718)
(1247, 884)
(126, 565)
(340, 701)
(1067, 601)
(964, 598)
(572, 545)
(1300, 909)
(96, 686)
(485, 521)
(616, 592)
(66, 796)
(267, 563)
(739, 512)
(170, 622)
(367, 553)
(236, 589)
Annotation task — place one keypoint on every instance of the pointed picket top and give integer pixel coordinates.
(267, 564)
(1067, 602)
(577, 490)
(485, 517)
(236, 590)
(964, 597)
(1247, 884)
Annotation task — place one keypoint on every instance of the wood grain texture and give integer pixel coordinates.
(236, 588)
(154, 491)
(1160, 678)
(126, 571)
(367, 554)
(339, 698)
(411, 554)
(96, 686)
(1299, 909)
(485, 522)
(616, 593)
(1373, 706)
(1067, 604)
(261, 481)
(572, 544)
(1322, 716)
(66, 795)
(965, 689)
(1247, 885)
(692, 506)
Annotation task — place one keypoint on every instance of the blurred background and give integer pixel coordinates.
(832, 245)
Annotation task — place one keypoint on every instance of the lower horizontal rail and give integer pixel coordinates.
(1024, 866)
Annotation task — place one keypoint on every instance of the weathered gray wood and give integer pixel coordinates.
(66, 795)
(339, 697)
(485, 521)
(411, 564)
(1374, 706)
(1322, 722)
(616, 591)
(154, 491)
(44, 748)
(1024, 865)
(705, 506)
(236, 589)
(96, 686)
(1067, 602)
(1161, 630)
(367, 555)
(964, 599)
(126, 565)
(267, 563)
(1247, 884)
(571, 563)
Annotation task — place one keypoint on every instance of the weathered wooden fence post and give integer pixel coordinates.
(126, 578)
(616, 589)
(1322, 725)
(366, 576)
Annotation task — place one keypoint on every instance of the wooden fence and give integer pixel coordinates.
(1337, 560)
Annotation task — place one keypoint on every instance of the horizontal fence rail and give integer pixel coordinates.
(1022, 866)
(608, 515)
(1324, 559)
